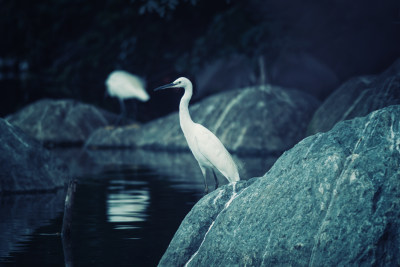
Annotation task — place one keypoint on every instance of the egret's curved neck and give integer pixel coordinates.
(184, 115)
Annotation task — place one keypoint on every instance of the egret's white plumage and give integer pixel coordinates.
(123, 85)
(208, 150)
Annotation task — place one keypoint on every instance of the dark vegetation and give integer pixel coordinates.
(66, 48)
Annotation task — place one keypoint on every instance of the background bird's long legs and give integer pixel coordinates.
(123, 112)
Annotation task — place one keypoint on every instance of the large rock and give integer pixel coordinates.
(25, 165)
(332, 200)
(61, 122)
(259, 120)
(358, 97)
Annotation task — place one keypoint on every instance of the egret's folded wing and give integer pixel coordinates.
(214, 151)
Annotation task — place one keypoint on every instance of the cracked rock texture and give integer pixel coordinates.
(358, 97)
(25, 165)
(248, 121)
(61, 121)
(332, 200)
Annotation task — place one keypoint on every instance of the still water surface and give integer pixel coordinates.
(121, 217)
(124, 214)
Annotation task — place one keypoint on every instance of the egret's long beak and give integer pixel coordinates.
(170, 85)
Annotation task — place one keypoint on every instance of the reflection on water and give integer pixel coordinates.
(123, 216)
(125, 204)
(21, 214)
(128, 205)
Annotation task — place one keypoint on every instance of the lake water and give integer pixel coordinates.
(128, 205)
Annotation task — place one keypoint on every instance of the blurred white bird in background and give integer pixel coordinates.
(123, 85)
(208, 150)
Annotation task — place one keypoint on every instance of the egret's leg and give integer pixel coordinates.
(216, 180)
(123, 111)
(135, 108)
(204, 172)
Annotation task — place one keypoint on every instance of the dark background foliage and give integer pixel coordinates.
(66, 48)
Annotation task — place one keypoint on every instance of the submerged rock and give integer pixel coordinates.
(259, 120)
(358, 97)
(332, 200)
(25, 165)
(61, 121)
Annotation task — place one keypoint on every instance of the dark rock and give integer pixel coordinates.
(260, 120)
(235, 71)
(304, 72)
(198, 224)
(115, 137)
(289, 70)
(24, 164)
(79, 163)
(61, 121)
(358, 97)
(332, 200)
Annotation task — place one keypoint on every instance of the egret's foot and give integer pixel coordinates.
(206, 191)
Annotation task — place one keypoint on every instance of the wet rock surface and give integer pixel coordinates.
(358, 97)
(259, 120)
(25, 165)
(332, 200)
(61, 122)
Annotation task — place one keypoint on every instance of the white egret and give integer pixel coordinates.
(123, 85)
(208, 150)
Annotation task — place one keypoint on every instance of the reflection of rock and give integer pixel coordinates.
(22, 214)
(358, 97)
(180, 167)
(60, 121)
(333, 199)
(262, 120)
(24, 164)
